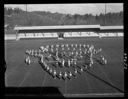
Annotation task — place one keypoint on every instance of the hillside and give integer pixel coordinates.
(38, 18)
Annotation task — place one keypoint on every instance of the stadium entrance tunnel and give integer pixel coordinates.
(60, 35)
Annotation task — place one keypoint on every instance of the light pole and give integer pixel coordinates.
(26, 14)
(105, 15)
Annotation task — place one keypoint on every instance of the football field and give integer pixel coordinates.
(108, 79)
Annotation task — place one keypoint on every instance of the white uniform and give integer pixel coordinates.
(69, 63)
(27, 60)
(63, 62)
(54, 73)
(65, 75)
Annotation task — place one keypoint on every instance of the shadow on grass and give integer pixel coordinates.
(105, 82)
(33, 91)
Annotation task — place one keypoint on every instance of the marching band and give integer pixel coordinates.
(66, 56)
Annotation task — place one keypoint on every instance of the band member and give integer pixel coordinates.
(103, 60)
(69, 63)
(27, 60)
(42, 59)
(72, 53)
(87, 46)
(65, 75)
(56, 48)
(32, 52)
(47, 68)
(99, 50)
(62, 48)
(28, 52)
(75, 71)
(85, 67)
(84, 45)
(39, 53)
(85, 52)
(71, 45)
(42, 47)
(52, 50)
(66, 45)
(60, 75)
(81, 69)
(94, 51)
(35, 53)
(63, 62)
(50, 71)
(81, 56)
(80, 45)
(77, 53)
(47, 46)
(91, 60)
(74, 49)
(57, 45)
(70, 74)
(76, 45)
(68, 48)
(54, 74)
(62, 45)
(74, 74)
(52, 46)
(78, 72)
(80, 49)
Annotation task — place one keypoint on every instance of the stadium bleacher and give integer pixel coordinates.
(69, 31)
(55, 35)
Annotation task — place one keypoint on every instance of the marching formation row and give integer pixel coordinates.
(76, 58)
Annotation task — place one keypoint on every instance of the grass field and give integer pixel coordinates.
(18, 74)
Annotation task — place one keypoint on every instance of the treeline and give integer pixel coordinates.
(10, 11)
(38, 18)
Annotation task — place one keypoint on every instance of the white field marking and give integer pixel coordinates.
(89, 86)
(105, 75)
(65, 86)
(85, 95)
(44, 79)
(25, 77)
(94, 94)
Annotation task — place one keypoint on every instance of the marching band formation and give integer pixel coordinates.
(64, 61)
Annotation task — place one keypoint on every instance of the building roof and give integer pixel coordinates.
(111, 27)
(57, 27)
(68, 28)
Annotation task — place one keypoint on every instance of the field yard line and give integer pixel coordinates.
(89, 86)
(27, 74)
(12, 70)
(105, 75)
(121, 70)
(94, 94)
(24, 79)
(45, 75)
(44, 79)
(65, 86)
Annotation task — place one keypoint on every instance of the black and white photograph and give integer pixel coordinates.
(64, 50)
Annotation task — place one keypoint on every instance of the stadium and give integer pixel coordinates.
(100, 71)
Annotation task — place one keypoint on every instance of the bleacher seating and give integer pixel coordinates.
(66, 34)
